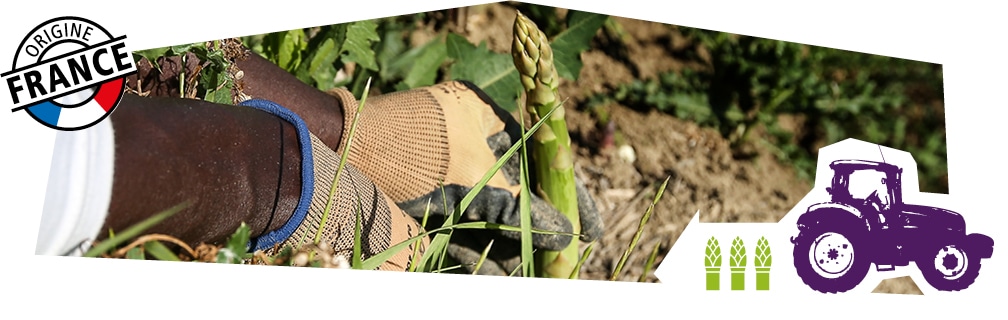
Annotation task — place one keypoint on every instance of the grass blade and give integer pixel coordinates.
(439, 244)
(355, 261)
(416, 244)
(525, 209)
(446, 269)
(342, 163)
(135, 230)
(440, 241)
(376, 260)
(135, 254)
(640, 230)
(159, 251)
(581, 261)
(650, 262)
(482, 258)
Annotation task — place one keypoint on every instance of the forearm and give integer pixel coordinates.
(237, 164)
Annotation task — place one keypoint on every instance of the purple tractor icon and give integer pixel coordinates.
(867, 222)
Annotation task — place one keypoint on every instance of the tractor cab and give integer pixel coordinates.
(869, 186)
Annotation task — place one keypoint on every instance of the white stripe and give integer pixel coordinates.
(79, 189)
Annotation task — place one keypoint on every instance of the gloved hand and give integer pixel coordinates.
(256, 164)
(409, 141)
(383, 223)
(504, 258)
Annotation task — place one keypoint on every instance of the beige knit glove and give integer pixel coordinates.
(409, 141)
(383, 224)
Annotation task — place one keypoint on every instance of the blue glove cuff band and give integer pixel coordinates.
(274, 237)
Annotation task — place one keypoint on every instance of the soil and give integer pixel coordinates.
(704, 175)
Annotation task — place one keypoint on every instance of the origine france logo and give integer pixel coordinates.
(69, 73)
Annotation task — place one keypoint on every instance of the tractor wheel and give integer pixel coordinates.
(832, 257)
(949, 267)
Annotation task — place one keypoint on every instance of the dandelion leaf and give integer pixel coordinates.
(491, 71)
(568, 44)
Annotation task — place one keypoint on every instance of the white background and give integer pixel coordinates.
(963, 38)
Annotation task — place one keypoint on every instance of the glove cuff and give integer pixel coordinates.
(383, 223)
(271, 238)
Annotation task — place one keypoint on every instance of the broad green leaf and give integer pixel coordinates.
(391, 54)
(288, 48)
(319, 69)
(237, 246)
(238, 242)
(425, 62)
(495, 72)
(216, 84)
(226, 255)
(268, 46)
(182, 48)
(150, 54)
(568, 45)
(491, 71)
(221, 92)
(321, 66)
(357, 45)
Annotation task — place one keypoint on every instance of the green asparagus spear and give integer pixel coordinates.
(550, 146)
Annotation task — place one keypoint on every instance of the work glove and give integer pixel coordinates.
(504, 258)
(409, 142)
(383, 224)
(256, 164)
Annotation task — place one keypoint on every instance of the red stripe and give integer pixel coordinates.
(109, 93)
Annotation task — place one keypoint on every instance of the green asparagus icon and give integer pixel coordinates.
(712, 260)
(738, 264)
(762, 263)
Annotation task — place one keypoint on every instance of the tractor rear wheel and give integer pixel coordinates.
(832, 257)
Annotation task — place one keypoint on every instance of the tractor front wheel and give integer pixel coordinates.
(949, 267)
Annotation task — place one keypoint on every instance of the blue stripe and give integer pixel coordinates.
(272, 238)
(46, 112)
